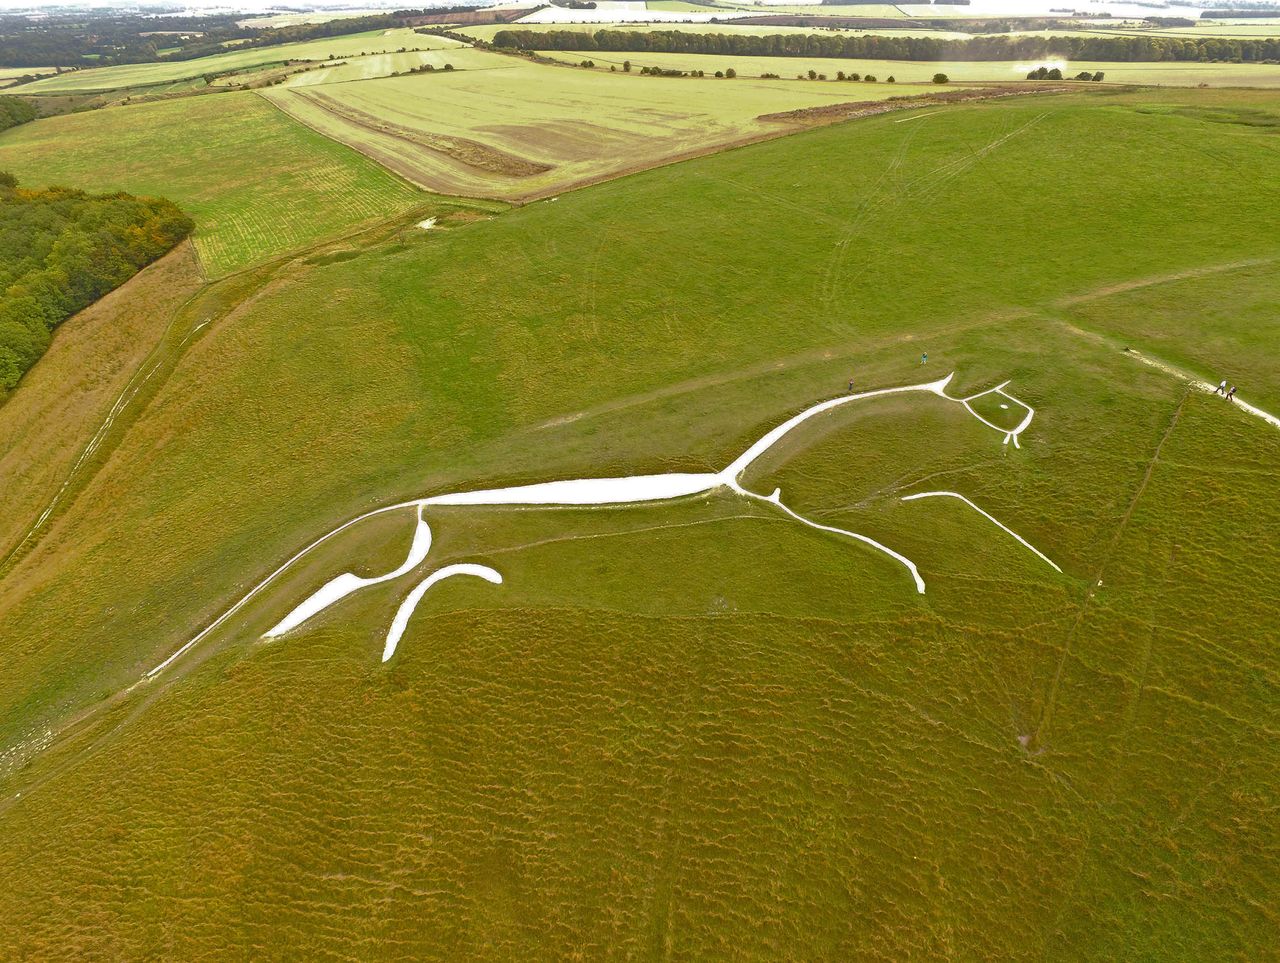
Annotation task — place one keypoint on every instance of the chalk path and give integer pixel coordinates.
(1204, 386)
(611, 492)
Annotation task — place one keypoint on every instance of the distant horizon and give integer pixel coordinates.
(250, 7)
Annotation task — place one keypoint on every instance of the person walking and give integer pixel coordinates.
(924, 358)
(1222, 387)
(1231, 395)
(850, 386)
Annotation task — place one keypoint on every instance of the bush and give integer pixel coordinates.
(839, 75)
(822, 76)
(855, 76)
(1084, 75)
(626, 66)
(719, 73)
(730, 73)
(1055, 74)
(448, 66)
(813, 75)
(941, 79)
(892, 79)
(1097, 78)
(869, 78)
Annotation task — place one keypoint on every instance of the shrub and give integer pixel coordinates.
(892, 79)
(448, 66)
(731, 73)
(626, 66)
(719, 73)
(813, 75)
(1055, 74)
(869, 78)
(1098, 76)
(855, 76)
(941, 78)
(839, 75)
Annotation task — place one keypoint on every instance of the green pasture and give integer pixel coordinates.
(535, 112)
(697, 730)
(141, 75)
(301, 187)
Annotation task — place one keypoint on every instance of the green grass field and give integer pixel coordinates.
(142, 75)
(506, 128)
(302, 186)
(696, 730)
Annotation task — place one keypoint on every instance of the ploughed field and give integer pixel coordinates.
(695, 728)
(499, 126)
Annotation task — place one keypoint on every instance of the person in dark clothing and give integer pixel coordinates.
(1231, 395)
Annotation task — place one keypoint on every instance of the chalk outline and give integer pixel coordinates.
(601, 492)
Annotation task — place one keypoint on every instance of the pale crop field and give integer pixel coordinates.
(138, 75)
(487, 31)
(475, 132)
(965, 71)
(384, 65)
(9, 74)
(299, 187)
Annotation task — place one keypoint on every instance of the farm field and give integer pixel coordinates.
(384, 65)
(1162, 74)
(141, 75)
(302, 186)
(522, 130)
(8, 75)
(487, 31)
(695, 728)
(1231, 30)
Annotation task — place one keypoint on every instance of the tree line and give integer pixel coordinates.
(61, 250)
(1122, 49)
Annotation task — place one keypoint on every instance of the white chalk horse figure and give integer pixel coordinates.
(630, 490)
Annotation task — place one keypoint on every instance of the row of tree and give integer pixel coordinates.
(61, 250)
(1125, 49)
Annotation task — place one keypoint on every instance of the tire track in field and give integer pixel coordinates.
(923, 187)
(1038, 737)
(827, 288)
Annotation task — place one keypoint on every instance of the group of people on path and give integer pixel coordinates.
(1222, 390)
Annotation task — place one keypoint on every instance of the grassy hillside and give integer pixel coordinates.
(299, 188)
(502, 127)
(695, 730)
